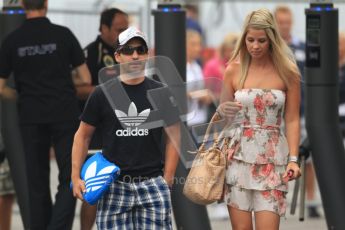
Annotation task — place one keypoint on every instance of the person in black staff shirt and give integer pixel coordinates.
(140, 198)
(41, 55)
(100, 54)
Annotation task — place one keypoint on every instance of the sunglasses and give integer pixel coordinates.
(128, 50)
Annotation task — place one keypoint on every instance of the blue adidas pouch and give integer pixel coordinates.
(98, 173)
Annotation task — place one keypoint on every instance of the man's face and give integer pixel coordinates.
(135, 54)
(284, 23)
(119, 24)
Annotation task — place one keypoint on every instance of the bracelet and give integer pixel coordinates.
(293, 159)
(220, 114)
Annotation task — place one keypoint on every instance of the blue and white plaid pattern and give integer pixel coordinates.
(132, 206)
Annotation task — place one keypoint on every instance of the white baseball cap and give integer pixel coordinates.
(128, 34)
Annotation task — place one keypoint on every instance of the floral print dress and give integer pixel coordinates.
(257, 150)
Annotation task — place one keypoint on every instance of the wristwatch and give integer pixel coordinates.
(293, 159)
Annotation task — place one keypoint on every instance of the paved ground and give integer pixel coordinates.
(288, 223)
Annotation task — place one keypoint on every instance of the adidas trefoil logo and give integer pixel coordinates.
(132, 120)
(95, 181)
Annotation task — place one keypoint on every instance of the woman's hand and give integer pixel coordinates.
(292, 171)
(229, 109)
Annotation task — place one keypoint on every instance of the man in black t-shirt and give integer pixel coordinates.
(41, 56)
(140, 198)
(100, 54)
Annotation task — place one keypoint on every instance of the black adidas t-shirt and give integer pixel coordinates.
(41, 56)
(137, 151)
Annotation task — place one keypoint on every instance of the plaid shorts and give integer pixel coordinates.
(143, 205)
(6, 183)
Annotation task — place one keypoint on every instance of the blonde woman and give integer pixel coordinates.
(261, 92)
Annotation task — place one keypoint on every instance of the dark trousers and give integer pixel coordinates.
(37, 139)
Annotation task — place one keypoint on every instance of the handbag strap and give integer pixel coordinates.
(216, 138)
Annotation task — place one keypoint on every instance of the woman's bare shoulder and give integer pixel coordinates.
(232, 69)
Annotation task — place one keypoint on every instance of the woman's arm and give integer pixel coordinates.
(227, 107)
(292, 119)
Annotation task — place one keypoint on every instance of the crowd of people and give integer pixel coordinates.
(60, 105)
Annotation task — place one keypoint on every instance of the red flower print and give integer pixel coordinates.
(261, 159)
(266, 169)
(233, 148)
(230, 153)
(277, 194)
(270, 149)
(273, 180)
(260, 120)
(258, 104)
(248, 132)
(268, 99)
(266, 194)
(255, 171)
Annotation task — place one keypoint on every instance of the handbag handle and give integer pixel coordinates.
(207, 133)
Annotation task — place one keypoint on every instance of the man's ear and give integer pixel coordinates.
(117, 57)
(104, 28)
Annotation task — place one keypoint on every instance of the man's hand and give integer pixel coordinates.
(78, 188)
(169, 179)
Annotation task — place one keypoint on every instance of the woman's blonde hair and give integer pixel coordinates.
(282, 56)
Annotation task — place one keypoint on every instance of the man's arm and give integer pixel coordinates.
(81, 143)
(172, 150)
(82, 81)
(5, 91)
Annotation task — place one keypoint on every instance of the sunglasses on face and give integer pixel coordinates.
(128, 50)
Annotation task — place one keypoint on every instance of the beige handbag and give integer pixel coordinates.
(205, 181)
